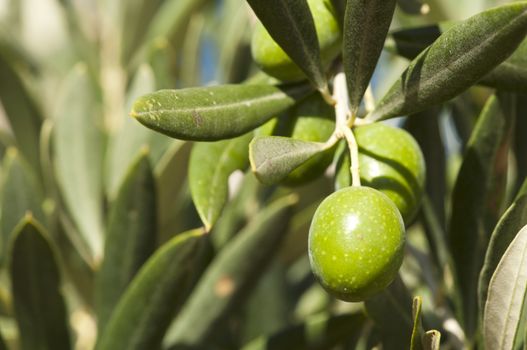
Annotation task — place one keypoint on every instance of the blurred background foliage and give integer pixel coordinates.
(69, 71)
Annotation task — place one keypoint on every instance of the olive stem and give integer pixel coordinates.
(344, 121)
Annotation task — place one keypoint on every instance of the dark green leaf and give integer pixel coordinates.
(391, 313)
(291, 25)
(130, 238)
(510, 223)
(409, 43)
(274, 157)
(35, 278)
(476, 201)
(210, 166)
(20, 194)
(318, 332)
(416, 342)
(520, 141)
(366, 23)
(505, 295)
(78, 146)
(458, 59)
(24, 114)
(214, 113)
(131, 136)
(156, 294)
(231, 276)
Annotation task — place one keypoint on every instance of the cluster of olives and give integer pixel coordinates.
(357, 235)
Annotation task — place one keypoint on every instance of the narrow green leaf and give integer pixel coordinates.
(210, 166)
(505, 296)
(432, 340)
(130, 237)
(274, 157)
(78, 146)
(366, 23)
(231, 276)
(20, 194)
(510, 223)
(476, 202)
(317, 332)
(35, 278)
(416, 342)
(131, 136)
(24, 114)
(458, 59)
(410, 42)
(214, 113)
(290, 24)
(156, 294)
(520, 141)
(391, 313)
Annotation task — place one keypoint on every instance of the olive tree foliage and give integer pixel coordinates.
(164, 164)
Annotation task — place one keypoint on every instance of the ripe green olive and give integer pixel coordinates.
(356, 243)
(391, 161)
(270, 57)
(311, 120)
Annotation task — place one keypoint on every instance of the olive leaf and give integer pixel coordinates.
(455, 61)
(210, 166)
(476, 200)
(366, 23)
(506, 293)
(390, 310)
(23, 112)
(520, 142)
(39, 306)
(291, 25)
(274, 157)
(231, 276)
(416, 342)
(317, 332)
(20, 194)
(214, 113)
(510, 223)
(130, 237)
(156, 294)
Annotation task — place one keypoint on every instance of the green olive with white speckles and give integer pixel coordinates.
(391, 161)
(356, 243)
(270, 57)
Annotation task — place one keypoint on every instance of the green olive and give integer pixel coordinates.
(270, 57)
(356, 243)
(391, 161)
(311, 120)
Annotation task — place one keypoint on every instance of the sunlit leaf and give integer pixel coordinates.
(505, 295)
(274, 157)
(455, 61)
(416, 342)
(214, 113)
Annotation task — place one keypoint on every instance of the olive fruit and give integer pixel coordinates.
(391, 161)
(270, 57)
(356, 243)
(311, 120)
